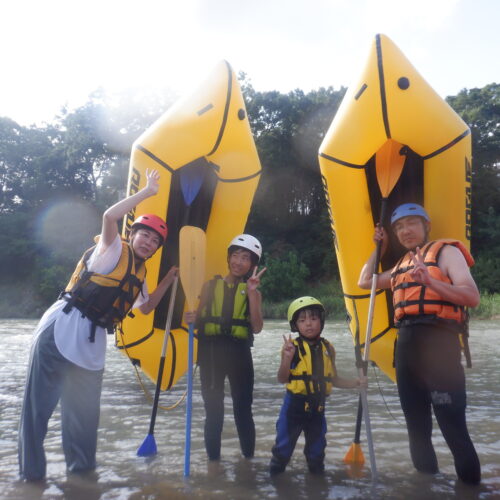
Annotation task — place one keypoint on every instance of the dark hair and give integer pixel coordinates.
(316, 309)
(233, 248)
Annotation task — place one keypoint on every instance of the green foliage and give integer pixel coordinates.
(328, 293)
(52, 280)
(17, 251)
(84, 154)
(285, 277)
(480, 109)
(486, 273)
(489, 307)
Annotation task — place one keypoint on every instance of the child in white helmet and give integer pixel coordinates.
(228, 316)
(308, 370)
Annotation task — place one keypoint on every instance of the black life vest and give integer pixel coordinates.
(105, 299)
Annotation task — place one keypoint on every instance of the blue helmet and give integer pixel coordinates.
(407, 209)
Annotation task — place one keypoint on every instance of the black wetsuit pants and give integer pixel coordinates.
(220, 358)
(429, 374)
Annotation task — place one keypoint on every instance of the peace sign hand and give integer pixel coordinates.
(419, 273)
(288, 349)
(254, 281)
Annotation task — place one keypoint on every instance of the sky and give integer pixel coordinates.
(54, 53)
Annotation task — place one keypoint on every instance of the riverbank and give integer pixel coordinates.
(330, 295)
(20, 302)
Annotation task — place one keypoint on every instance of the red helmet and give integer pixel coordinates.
(153, 222)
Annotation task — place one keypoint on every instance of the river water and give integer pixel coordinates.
(125, 414)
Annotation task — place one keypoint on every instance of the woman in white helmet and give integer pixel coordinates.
(228, 315)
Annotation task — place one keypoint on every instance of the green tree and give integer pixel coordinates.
(285, 277)
(289, 208)
(480, 109)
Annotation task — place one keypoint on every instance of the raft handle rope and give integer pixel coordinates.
(396, 419)
(145, 390)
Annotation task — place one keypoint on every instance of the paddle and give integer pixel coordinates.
(191, 180)
(354, 455)
(389, 163)
(148, 447)
(192, 243)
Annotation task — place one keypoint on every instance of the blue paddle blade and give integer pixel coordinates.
(192, 176)
(148, 447)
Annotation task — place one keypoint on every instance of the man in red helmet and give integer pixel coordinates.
(68, 352)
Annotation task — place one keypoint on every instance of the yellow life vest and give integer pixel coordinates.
(414, 299)
(105, 299)
(306, 377)
(226, 310)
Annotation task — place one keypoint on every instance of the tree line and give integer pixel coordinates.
(56, 180)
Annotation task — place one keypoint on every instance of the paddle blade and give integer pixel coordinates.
(354, 455)
(389, 163)
(192, 245)
(148, 447)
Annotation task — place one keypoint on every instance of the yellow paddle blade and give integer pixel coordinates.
(354, 455)
(192, 246)
(389, 163)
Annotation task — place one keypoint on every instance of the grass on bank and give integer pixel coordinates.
(331, 296)
(19, 301)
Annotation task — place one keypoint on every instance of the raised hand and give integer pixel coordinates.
(288, 349)
(419, 273)
(152, 178)
(254, 281)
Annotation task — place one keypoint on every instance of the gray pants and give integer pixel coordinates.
(51, 378)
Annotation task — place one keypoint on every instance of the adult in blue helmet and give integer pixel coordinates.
(432, 287)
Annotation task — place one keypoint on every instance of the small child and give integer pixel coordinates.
(308, 368)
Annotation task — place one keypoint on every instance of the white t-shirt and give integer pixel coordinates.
(71, 331)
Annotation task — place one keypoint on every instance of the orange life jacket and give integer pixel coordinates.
(414, 299)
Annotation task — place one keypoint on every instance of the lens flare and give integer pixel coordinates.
(66, 227)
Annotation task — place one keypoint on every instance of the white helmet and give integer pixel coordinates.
(248, 242)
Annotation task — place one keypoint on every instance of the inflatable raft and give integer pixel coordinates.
(204, 150)
(391, 101)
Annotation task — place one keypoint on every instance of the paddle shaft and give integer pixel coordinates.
(189, 403)
(359, 418)
(192, 270)
(163, 353)
(368, 338)
(373, 292)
